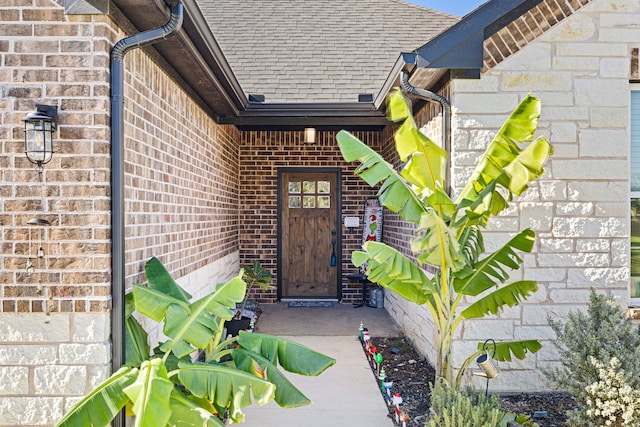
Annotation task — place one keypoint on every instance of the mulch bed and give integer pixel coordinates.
(412, 375)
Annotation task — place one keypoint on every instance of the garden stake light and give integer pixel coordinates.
(379, 361)
(374, 355)
(387, 389)
(382, 376)
(485, 362)
(404, 417)
(397, 400)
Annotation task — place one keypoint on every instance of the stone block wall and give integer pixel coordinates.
(580, 68)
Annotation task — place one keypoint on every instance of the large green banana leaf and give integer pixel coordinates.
(519, 349)
(98, 408)
(472, 247)
(160, 279)
(293, 357)
(136, 344)
(492, 268)
(395, 193)
(391, 269)
(189, 323)
(436, 243)
(481, 205)
(198, 325)
(150, 394)
(527, 166)
(425, 167)
(287, 395)
(505, 163)
(225, 387)
(398, 109)
(510, 295)
(188, 411)
(154, 303)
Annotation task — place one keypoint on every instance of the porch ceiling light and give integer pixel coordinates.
(39, 127)
(309, 136)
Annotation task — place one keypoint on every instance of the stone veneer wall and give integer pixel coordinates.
(580, 209)
(182, 201)
(415, 321)
(261, 154)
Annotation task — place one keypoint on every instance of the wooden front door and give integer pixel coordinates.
(309, 241)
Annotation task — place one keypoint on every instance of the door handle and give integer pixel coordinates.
(334, 260)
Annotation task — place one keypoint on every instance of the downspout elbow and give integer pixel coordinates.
(434, 97)
(150, 36)
(424, 94)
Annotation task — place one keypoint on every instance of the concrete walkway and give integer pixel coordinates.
(346, 394)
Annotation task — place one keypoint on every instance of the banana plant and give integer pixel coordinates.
(170, 385)
(467, 283)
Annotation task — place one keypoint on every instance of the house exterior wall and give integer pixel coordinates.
(580, 208)
(181, 201)
(54, 324)
(262, 153)
(415, 321)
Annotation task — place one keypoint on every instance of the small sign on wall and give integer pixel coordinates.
(351, 221)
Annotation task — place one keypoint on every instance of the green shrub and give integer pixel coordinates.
(601, 334)
(453, 407)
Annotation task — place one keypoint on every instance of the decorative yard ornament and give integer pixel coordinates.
(397, 400)
(486, 363)
(382, 376)
(39, 127)
(379, 360)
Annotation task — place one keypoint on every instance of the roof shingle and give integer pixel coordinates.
(318, 50)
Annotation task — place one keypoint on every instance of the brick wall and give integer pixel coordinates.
(261, 154)
(181, 176)
(181, 201)
(54, 323)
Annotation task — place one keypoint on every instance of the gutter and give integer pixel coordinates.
(117, 175)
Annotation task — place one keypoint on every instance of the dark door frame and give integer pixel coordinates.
(338, 225)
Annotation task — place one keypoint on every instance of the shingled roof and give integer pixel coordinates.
(314, 51)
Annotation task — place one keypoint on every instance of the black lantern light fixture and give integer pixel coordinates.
(39, 127)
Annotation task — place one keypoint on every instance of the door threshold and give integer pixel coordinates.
(302, 299)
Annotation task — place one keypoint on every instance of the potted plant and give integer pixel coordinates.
(168, 386)
(254, 275)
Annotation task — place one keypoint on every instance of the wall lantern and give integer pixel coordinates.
(39, 127)
(309, 136)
